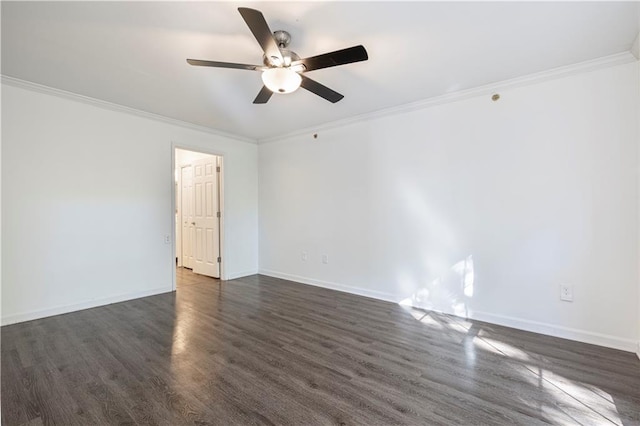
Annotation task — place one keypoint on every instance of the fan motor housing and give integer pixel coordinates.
(283, 39)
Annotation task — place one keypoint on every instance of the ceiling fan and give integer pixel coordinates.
(283, 69)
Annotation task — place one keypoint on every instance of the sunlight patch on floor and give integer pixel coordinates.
(559, 398)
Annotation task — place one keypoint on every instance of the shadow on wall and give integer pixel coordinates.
(453, 289)
(436, 243)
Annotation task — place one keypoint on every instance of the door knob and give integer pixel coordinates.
(193, 223)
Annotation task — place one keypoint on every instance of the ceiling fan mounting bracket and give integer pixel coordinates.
(282, 38)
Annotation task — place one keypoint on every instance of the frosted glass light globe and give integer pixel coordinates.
(281, 80)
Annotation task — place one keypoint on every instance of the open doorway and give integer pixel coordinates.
(198, 217)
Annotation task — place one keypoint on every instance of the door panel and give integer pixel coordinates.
(205, 214)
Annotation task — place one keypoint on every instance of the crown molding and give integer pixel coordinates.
(554, 73)
(35, 87)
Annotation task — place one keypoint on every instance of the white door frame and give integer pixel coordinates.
(221, 192)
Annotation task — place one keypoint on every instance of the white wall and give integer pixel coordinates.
(0, 187)
(637, 53)
(636, 50)
(86, 196)
(508, 198)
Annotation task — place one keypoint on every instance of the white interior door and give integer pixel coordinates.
(188, 221)
(205, 242)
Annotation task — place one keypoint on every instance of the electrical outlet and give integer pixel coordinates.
(303, 256)
(566, 292)
(167, 239)
(325, 258)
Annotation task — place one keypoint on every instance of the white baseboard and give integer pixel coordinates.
(234, 275)
(333, 286)
(59, 310)
(584, 336)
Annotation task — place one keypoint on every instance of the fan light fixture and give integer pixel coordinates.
(283, 71)
(281, 80)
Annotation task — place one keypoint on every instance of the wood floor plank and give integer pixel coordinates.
(14, 405)
(260, 350)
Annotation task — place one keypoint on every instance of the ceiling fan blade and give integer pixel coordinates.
(217, 64)
(263, 96)
(258, 26)
(332, 59)
(320, 89)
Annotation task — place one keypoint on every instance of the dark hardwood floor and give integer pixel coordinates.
(261, 350)
(185, 277)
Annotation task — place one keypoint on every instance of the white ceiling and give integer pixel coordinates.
(133, 53)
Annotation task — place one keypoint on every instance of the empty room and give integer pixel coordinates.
(314, 213)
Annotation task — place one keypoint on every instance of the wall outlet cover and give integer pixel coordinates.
(566, 292)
